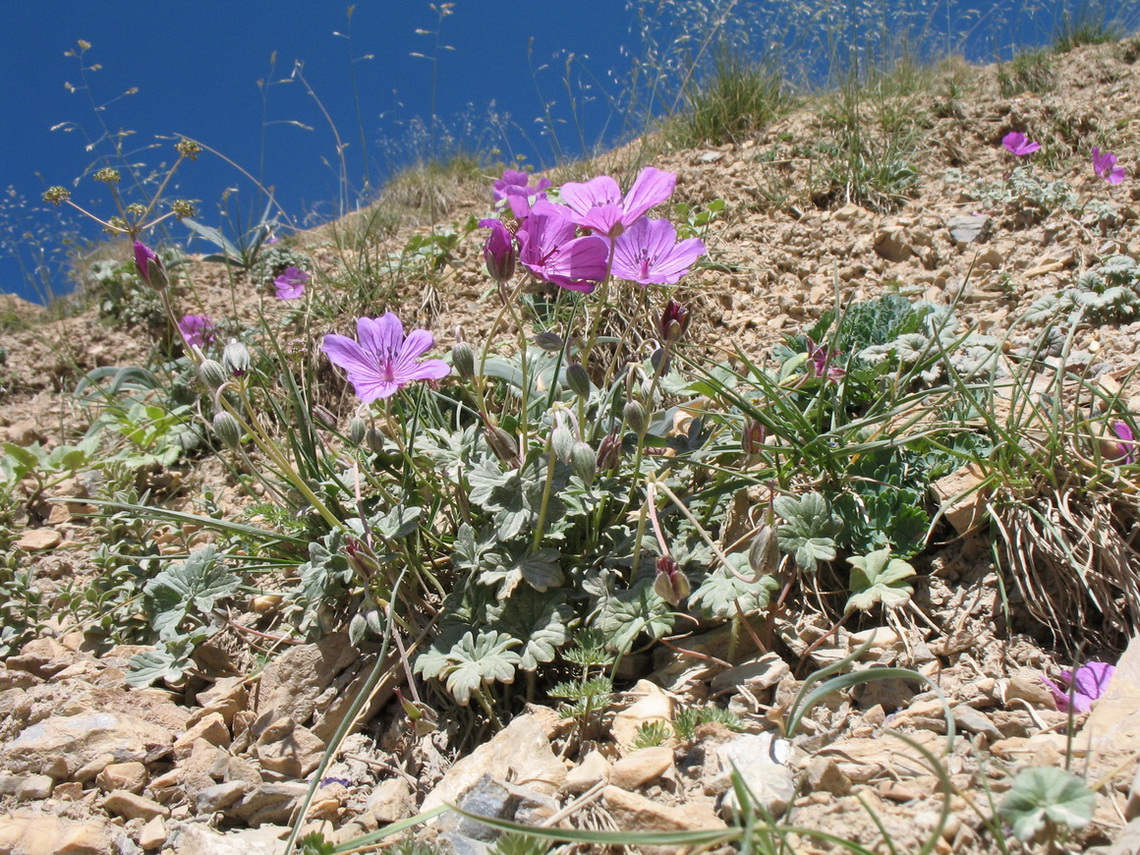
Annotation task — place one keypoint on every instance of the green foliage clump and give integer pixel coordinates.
(273, 260)
(122, 296)
(1028, 71)
(1109, 293)
(742, 98)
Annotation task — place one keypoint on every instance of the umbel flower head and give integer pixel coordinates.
(383, 360)
(1104, 165)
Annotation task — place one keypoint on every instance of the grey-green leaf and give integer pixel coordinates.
(878, 578)
(1044, 795)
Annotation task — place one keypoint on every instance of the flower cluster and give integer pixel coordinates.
(594, 232)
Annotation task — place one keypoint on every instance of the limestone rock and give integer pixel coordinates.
(520, 753)
(289, 749)
(46, 834)
(153, 835)
(39, 539)
(192, 838)
(497, 800)
(34, 788)
(211, 728)
(633, 812)
(654, 706)
(61, 745)
(122, 776)
(966, 229)
(270, 803)
(893, 243)
(25, 432)
(227, 697)
(640, 767)
(1027, 686)
(761, 761)
(962, 497)
(130, 805)
(593, 769)
(220, 797)
(43, 657)
(391, 801)
(756, 675)
(825, 776)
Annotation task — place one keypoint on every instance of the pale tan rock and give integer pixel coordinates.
(212, 728)
(825, 776)
(756, 675)
(25, 432)
(122, 776)
(193, 838)
(593, 769)
(654, 706)
(43, 657)
(34, 788)
(519, 753)
(1027, 686)
(289, 748)
(133, 806)
(39, 539)
(391, 801)
(227, 697)
(60, 745)
(47, 834)
(962, 496)
(640, 767)
(633, 812)
(153, 835)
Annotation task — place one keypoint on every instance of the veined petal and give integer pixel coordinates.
(347, 354)
(415, 345)
(582, 196)
(652, 187)
(381, 336)
(429, 369)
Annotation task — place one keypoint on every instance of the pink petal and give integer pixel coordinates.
(652, 187)
(381, 336)
(582, 196)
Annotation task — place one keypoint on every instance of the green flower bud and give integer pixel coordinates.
(357, 428)
(463, 359)
(671, 584)
(562, 441)
(212, 373)
(235, 358)
(549, 341)
(325, 416)
(578, 379)
(584, 462)
(374, 440)
(764, 554)
(502, 443)
(227, 429)
(635, 416)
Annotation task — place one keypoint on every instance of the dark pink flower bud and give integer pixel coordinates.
(499, 251)
(752, 438)
(609, 452)
(671, 584)
(149, 266)
(673, 322)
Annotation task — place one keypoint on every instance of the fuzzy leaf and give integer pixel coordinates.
(719, 593)
(625, 615)
(540, 569)
(808, 529)
(538, 620)
(475, 661)
(878, 578)
(1043, 795)
(399, 522)
(196, 584)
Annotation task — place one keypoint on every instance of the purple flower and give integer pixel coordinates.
(820, 359)
(598, 204)
(1104, 165)
(291, 284)
(514, 188)
(1016, 143)
(552, 251)
(149, 266)
(499, 251)
(384, 360)
(648, 252)
(1086, 684)
(1123, 451)
(196, 330)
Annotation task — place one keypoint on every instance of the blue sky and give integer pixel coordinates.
(196, 67)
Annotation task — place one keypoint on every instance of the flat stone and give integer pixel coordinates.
(212, 728)
(46, 834)
(153, 835)
(289, 749)
(760, 760)
(391, 801)
(825, 776)
(34, 788)
(193, 838)
(270, 803)
(25, 432)
(962, 497)
(220, 797)
(123, 776)
(1027, 686)
(640, 767)
(43, 657)
(633, 812)
(967, 228)
(756, 675)
(227, 697)
(39, 540)
(654, 706)
(593, 769)
(61, 745)
(130, 805)
(975, 721)
(520, 753)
